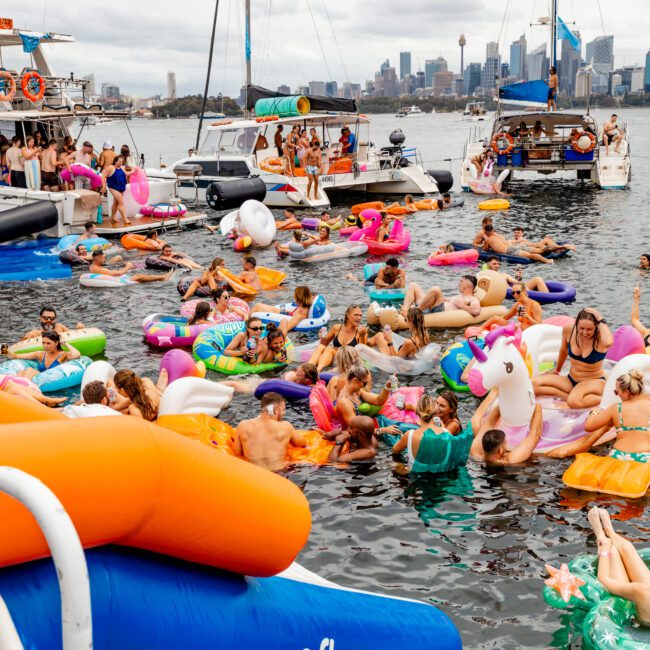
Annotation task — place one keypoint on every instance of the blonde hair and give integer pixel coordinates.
(632, 382)
(426, 408)
(344, 359)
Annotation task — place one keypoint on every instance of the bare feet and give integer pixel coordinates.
(54, 401)
(606, 522)
(595, 522)
(211, 229)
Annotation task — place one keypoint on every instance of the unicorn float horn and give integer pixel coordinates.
(479, 355)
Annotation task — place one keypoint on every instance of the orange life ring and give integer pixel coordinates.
(267, 118)
(501, 136)
(340, 166)
(7, 80)
(33, 77)
(272, 165)
(576, 138)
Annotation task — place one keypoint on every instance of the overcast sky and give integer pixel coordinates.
(134, 44)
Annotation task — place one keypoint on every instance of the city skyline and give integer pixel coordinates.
(117, 49)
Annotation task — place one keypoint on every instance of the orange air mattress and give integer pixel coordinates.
(371, 205)
(270, 279)
(131, 241)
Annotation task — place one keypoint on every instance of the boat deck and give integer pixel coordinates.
(142, 224)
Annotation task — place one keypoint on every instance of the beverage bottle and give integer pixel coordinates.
(400, 403)
(251, 344)
(322, 333)
(437, 421)
(394, 385)
(387, 329)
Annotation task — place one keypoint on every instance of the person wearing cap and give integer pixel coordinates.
(107, 156)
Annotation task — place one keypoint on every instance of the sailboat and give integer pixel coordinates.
(533, 139)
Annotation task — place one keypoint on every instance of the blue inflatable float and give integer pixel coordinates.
(35, 259)
(511, 259)
(557, 292)
(66, 375)
(143, 600)
(382, 295)
(454, 361)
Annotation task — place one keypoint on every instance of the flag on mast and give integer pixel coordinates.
(563, 32)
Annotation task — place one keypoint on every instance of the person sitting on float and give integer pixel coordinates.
(348, 334)
(585, 343)
(249, 275)
(534, 284)
(419, 338)
(290, 219)
(299, 237)
(527, 311)
(247, 343)
(383, 232)
(306, 374)
(344, 359)
(51, 356)
(447, 411)
(152, 241)
(221, 305)
(47, 317)
(479, 160)
(140, 397)
(201, 314)
(210, 278)
(95, 403)
(497, 243)
(302, 297)
(390, 276)
(168, 254)
(481, 237)
(360, 440)
(545, 245)
(98, 266)
(434, 300)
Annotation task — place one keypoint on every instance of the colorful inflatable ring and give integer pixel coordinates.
(188, 308)
(163, 210)
(72, 240)
(453, 363)
(6, 79)
(89, 341)
(272, 165)
(99, 280)
(557, 292)
(575, 142)
(499, 137)
(326, 253)
(317, 317)
(209, 345)
(130, 241)
(79, 169)
(289, 389)
(166, 330)
(67, 375)
(398, 240)
(411, 395)
(371, 205)
(322, 408)
(28, 82)
(494, 204)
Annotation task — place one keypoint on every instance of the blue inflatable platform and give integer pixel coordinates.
(34, 259)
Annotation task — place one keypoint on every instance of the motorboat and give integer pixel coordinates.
(409, 111)
(64, 106)
(475, 112)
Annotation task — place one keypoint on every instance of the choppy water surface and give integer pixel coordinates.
(473, 543)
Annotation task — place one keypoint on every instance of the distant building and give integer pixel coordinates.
(420, 80)
(404, 64)
(518, 58)
(442, 82)
(537, 63)
(331, 89)
(171, 86)
(302, 90)
(637, 81)
(316, 88)
(492, 66)
(471, 79)
(407, 84)
(286, 90)
(491, 50)
(647, 72)
(504, 72)
(110, 91)
(583, 82)
(390, 84)
(431, 66)
(91, 88)
(600, 54)
(568, 66)
(629, 79)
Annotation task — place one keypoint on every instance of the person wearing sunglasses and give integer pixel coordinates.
(248, 344)
(526, 310)
(222, 307)
(49, 324)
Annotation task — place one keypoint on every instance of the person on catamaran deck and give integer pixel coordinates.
(612, 133)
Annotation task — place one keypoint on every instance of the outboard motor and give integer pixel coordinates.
(443, 177)
(225, 195)
(397, 137)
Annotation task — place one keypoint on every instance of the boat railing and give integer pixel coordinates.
(67, 554)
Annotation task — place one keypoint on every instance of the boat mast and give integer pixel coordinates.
(207, 76)
(554, 33)
(248, 52)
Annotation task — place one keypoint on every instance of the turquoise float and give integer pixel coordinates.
(67, 375)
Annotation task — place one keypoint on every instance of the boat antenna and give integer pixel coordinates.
(207, 77)
(249, 77)
(554, 33)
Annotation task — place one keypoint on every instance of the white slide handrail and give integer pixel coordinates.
(67, 553)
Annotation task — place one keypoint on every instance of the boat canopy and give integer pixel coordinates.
(550, 121)
(525, 93)
(317, 102)
(10, 37)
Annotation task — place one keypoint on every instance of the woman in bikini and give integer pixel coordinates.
(419, 339)
(585, 343)
(303, 299)
(52, 355)
(201, 314)
(350, 333)
(344, 359)
(447, 411)
(140, 396)
(210, 278)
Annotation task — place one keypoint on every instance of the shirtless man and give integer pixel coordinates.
(167, 254)
(50, 177)
(434, 301)
(264, 440)
(553, 83)
(289, 219)
(313, 161)
(545, 245)
(360, 440)
(48, 324)
(490, 444)
(534, 284)
(390, 276)
(497, 244)
(277, 139)
(82, 252)
(249, 274)
(261, 143)
(99, 260)
(480, 236)
(526, 310)
(612, 133)
(88, 233)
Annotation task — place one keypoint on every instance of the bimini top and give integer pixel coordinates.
(27, 38)
(557, 119)
(327, 119)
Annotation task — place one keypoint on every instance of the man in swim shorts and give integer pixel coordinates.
(313, 160)
(497, 244)
(360, 440)
(249, 274)
(553, 83)
(49, 324)
(390, 276)
(49, 175)
(98, 266)
(434, 301)
(612, 133)
(264, 440)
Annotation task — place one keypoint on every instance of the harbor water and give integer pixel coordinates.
(473, 543)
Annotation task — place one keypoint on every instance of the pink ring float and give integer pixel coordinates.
(188, 308)
(163, 210)
(68, 174)
(139, 186)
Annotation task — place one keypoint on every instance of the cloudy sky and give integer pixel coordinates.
(136, 43)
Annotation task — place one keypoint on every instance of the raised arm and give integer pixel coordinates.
(525, 448)
(482, 410)
(373, 398)
(635, 318)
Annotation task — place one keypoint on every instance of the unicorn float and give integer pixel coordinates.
(486, 183)
(399, 239)
(507, 364)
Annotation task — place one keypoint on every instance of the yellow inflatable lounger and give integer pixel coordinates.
(269, 278)
(625, 478)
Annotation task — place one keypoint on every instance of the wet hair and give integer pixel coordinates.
(585, 315)
(419, 334)
(88, 226)
(440, 204)
(324, 226)
(345, 358)
(80, 246)
(488, 227)
(54, 337)
(451, 399)
(216, 263)
(647, 256)
(487, 219)
(348, 311)
(493, 258)
(518, 228)
(201, 312)
(298, 234)
(632, 382)
(492, 439)
(271, 399)
(357, 371)
(151, 234)
(94, 392)
(133, 386)
(310, 371)
(426, 408)
(218, 292)
(249, 259)
(97, 252)
(47, 308)
(165, 246)
(446, 195)
(392, 261)
(303, 296)
(470, 278)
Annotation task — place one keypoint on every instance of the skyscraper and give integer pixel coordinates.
(518, 58)
(583, 82)
(600, 53)
(331, 89)
(537, 63)
(492, 65)
(471, 78)
(316, 88)
(171, 86)
(404, 64)
(568, 66)
(491, 50)
(462, 42)
(428, 73)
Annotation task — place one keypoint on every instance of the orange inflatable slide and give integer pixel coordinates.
(145, 486)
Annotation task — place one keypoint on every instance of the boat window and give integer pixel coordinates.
(229, 141)
(227, 168)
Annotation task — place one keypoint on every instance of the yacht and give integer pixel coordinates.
(475, 112)
(63, 107)
(234, 150)
(409, 111)
(211, 115)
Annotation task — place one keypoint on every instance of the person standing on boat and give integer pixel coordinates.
(115, 179)
(278, 140)
(291, 147)
(612, 133)
(107, 156)
(50, 178)
(553, 83)
(313, 161)
(85, 157)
